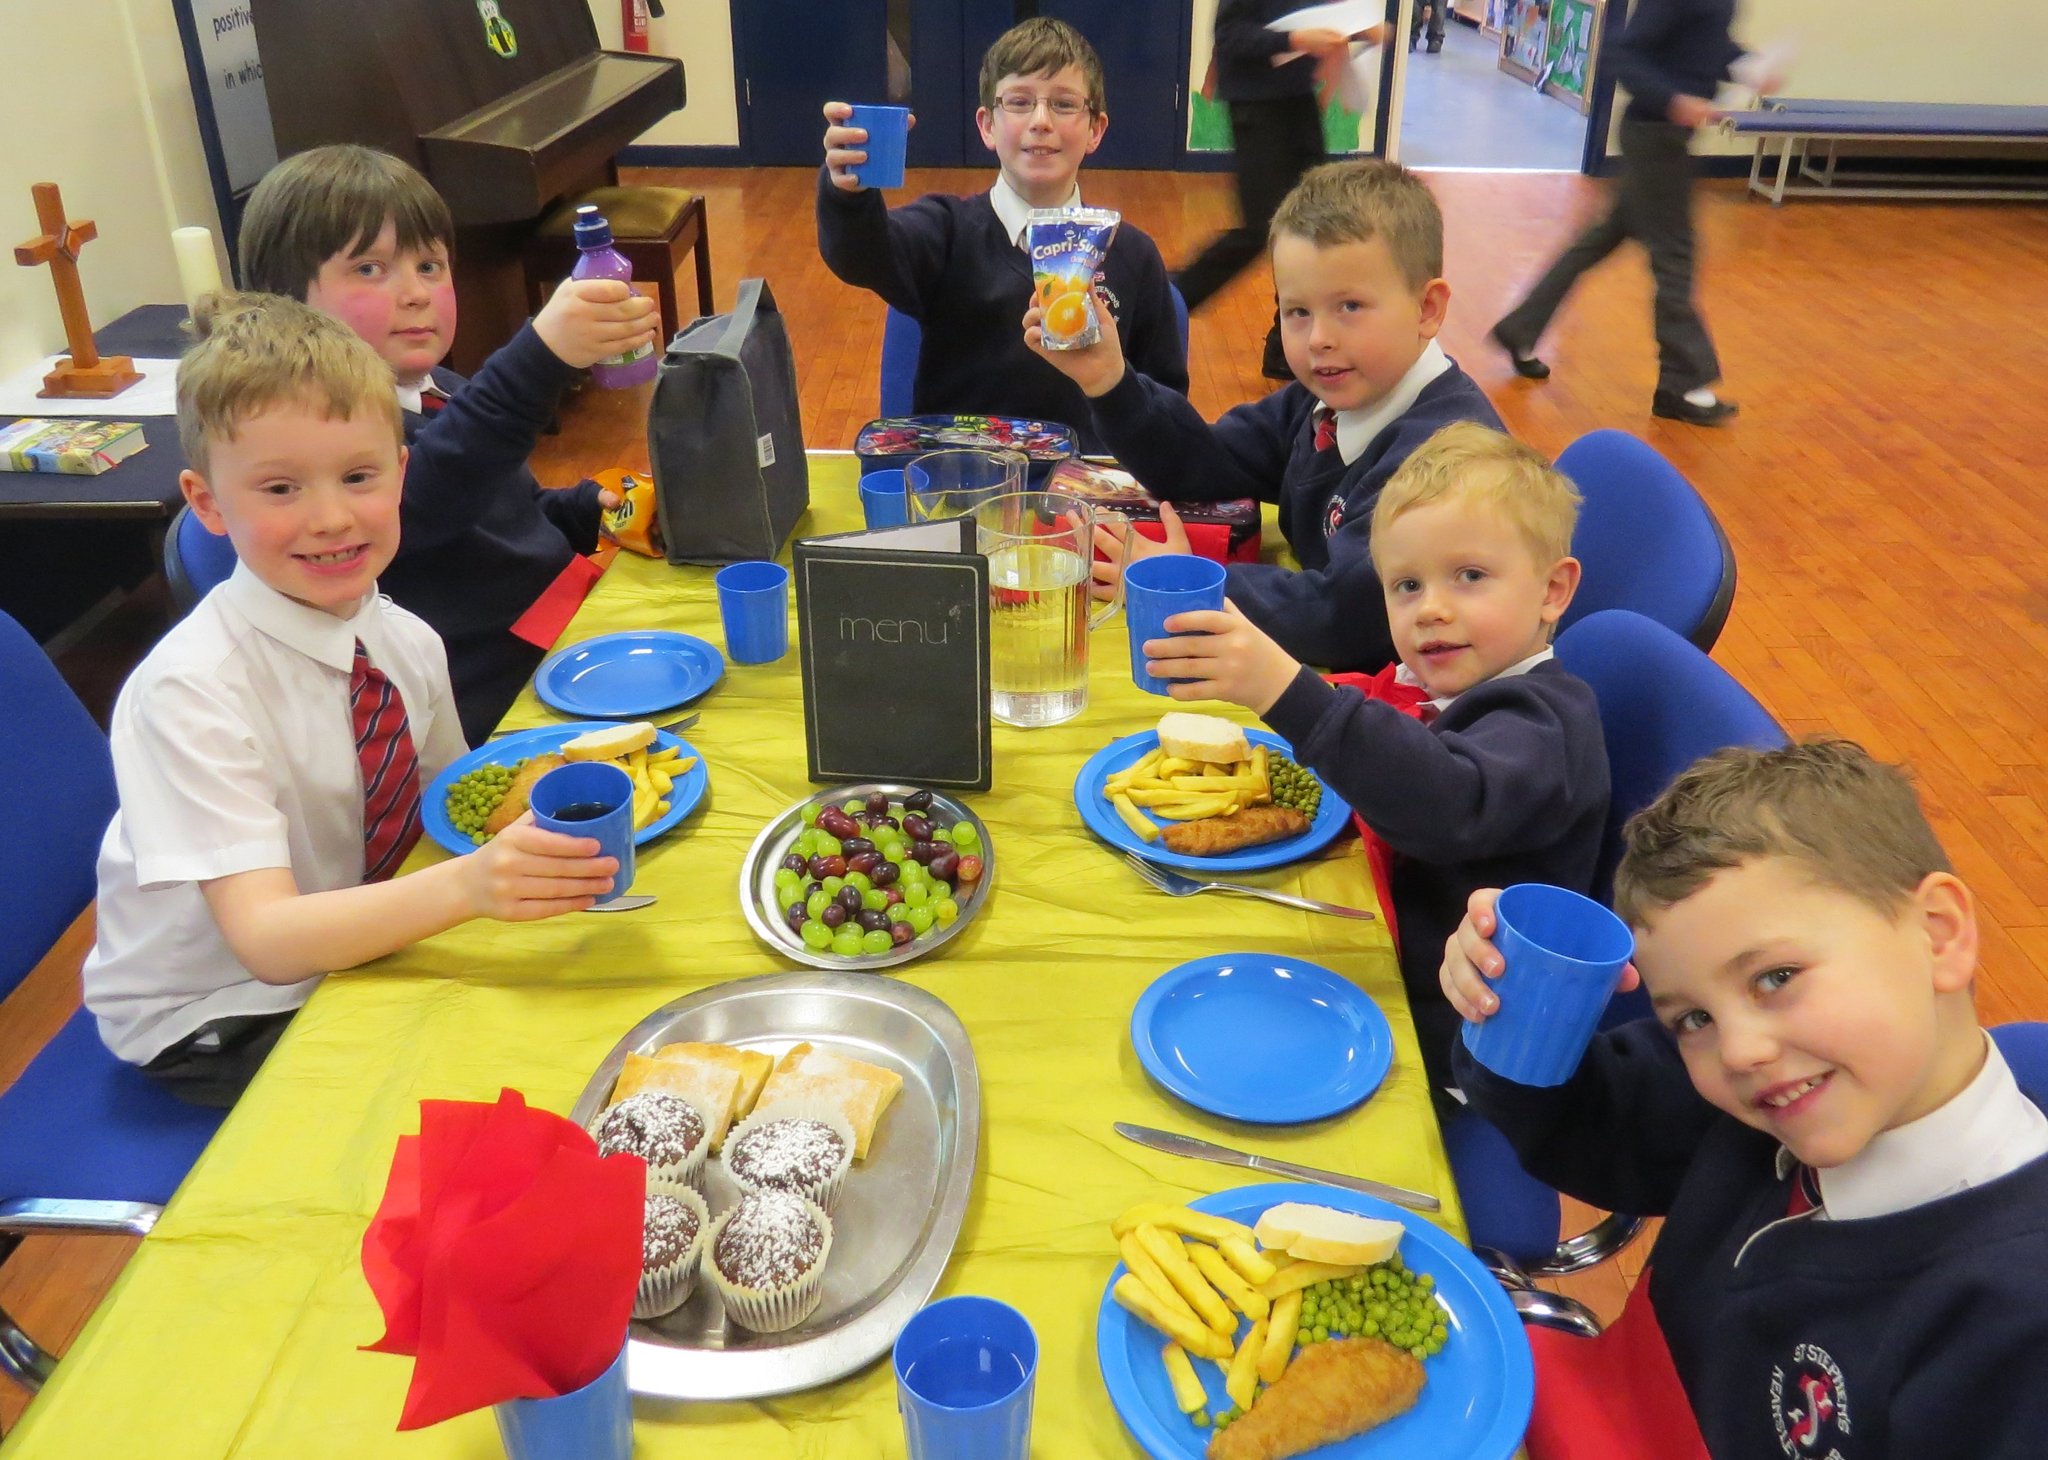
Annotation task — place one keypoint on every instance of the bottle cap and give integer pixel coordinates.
(592, 230)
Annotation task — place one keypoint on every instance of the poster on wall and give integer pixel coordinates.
(225, 33)
(1344, 130)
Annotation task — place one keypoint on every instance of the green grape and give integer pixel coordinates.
(816, 935)
(915, 894)
(871, 900)
(852, 808)
(946, 911)
(861, 880)
(897, 913)
(814, 906)
(965, 837)
(846, 942)
(832, 885)
(810, 814)
(921, 917)
(876, 942)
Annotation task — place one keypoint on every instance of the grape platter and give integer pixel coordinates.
(866, 876)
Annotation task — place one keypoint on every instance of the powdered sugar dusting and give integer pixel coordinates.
(661, 1129)
(769, 1241)
(795, 1154)
(671, 1226)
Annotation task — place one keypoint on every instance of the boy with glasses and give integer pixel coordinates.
(957, 265)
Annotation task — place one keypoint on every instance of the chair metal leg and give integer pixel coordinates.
(1554, 1310)
(22, 1359)
(1590, 1248)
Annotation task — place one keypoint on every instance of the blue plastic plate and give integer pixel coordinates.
(1476, 1395)
(1255, 1037)
(1331, 812)
(624, 676)
(521, 744)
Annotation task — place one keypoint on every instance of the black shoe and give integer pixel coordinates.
(1675, 407)
(1526, 366)
(1435, 46)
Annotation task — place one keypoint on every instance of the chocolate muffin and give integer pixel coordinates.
(767, 1259)
(671, 1240)
(799, 1150)
(665, 1131)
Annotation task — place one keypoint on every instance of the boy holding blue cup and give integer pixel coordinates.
(1853, 1259)
(1477, 760)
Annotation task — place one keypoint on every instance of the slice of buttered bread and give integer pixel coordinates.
(1210, 739)
(1324, 1234)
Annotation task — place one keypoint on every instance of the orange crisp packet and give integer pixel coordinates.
(634, 524)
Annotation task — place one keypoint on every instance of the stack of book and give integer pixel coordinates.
(78, 448)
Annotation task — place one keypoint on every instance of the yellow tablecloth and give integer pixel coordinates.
(234, 1331)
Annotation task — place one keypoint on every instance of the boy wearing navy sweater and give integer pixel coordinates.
(492, 561)
(271, 749)
(1854, 1197)
(957, 265)
(1495, 770)
(1357, 259)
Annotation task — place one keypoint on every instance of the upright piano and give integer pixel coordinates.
(506, 105)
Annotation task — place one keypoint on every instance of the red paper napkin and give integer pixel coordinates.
(504, 1256)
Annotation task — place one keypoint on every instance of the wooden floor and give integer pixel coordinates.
(1886, 490)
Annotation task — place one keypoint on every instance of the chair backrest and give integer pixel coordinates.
(57, 783)
(1648, 542)
(194, 559)
(902, 335)
(1663, 705)
(2025, 1047)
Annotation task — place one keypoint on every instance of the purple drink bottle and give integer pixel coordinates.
(599, 260)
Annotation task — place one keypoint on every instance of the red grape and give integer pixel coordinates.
(970, 869)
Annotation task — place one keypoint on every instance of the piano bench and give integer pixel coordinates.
(653, 227)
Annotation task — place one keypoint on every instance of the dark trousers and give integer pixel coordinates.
(1653, 205)
(214, 1064)
(1276, 142)
(1435, 23)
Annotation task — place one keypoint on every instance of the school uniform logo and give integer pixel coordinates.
(1810, 1405)
(1333, 515)
(1116, 307)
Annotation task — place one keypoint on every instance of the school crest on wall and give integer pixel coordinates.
(498, 32)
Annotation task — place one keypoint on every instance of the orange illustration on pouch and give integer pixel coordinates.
(1067, 315)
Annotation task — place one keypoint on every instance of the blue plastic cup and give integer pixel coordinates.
(1563, 955)
(753, 603)
(599, 799)
(883, 500)
(1155, 589)
(591, 1423)
(964, 1371)
(888, 129)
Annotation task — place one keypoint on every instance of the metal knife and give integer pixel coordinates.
(1179, 1145)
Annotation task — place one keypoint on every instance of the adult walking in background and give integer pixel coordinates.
(1671, 55)
(1276, 127)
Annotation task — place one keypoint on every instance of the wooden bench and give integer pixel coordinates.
(1801, 125)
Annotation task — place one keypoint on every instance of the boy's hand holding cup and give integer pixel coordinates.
(864, 145)
(526, 872)
(1531, 970)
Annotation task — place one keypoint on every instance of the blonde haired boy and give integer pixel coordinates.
(957, 265)
(1853, 1252)
(1357, 263)
(271, 750)
(1477, 761)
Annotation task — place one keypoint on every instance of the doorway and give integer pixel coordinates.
(1509, 85)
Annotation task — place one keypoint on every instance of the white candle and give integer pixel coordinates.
(198, 269)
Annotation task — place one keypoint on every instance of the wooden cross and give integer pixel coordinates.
(84, 373)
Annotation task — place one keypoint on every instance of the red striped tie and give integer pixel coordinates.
(1326, 428)
(391, 769)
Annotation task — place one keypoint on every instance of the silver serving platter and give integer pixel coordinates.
(764, 857)
(898, 1215)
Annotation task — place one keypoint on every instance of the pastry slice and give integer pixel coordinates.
(751, 1065)
(860, 1091)
(711, 1088)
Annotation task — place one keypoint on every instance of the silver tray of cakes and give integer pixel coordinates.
(810, 1140)
(867, 876)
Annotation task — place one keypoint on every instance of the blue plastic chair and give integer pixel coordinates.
(902, 336)
(92, 1144)
(2025, 1047)
(194, 559)
(1648, 541)
(1663, 705)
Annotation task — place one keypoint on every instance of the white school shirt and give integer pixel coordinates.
(1357, 428)
(1014, 213)
(234, 750)
(1404, 675)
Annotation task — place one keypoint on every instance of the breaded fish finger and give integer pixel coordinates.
(1330, 1392)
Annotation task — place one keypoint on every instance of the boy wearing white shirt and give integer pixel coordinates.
(1854, 1257)
(957, 265)
(1478, 761)
(271, 750)
(1358, 258)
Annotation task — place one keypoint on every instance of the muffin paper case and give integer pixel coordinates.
(665, 1289)
(690, 1170)
(766, 1310)
(824, 1192)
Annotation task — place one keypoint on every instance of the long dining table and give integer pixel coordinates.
(236, 1328)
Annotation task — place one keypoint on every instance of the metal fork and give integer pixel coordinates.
(1175, 885)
